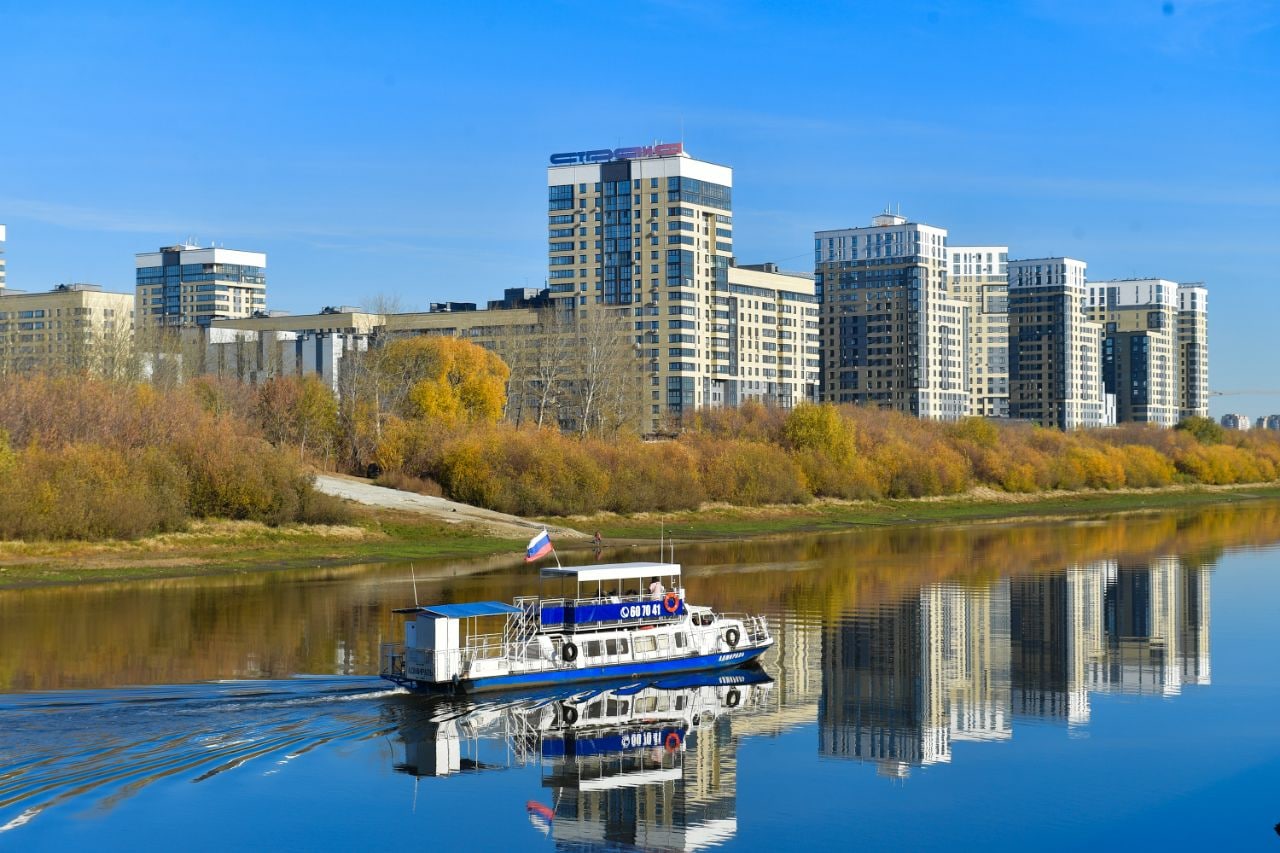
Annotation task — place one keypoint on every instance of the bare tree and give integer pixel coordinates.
(604, 366)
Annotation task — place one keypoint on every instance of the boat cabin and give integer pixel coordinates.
(609, 594)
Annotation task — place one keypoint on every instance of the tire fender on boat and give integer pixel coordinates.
(731, 637)
(569, 653)
(568, 714)
(732, 698)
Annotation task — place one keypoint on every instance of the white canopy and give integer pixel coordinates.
(612, 571)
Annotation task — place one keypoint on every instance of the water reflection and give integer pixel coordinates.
(647, 766)
(902, 681)
(331, 621)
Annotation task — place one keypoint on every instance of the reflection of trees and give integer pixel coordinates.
(332, 620)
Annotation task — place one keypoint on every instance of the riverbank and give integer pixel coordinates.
(380, 535)
(979, 506)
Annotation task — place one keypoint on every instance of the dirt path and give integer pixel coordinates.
(439, 509)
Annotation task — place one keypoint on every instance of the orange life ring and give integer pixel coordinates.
(671, 602)
(673, 741)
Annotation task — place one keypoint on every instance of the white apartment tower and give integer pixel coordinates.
(1055, 365)
(1193, 350)
(892, 336)
(2, 268)
(979, 278)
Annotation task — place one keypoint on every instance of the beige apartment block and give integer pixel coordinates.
(1055, 352)
(3, 236)
(979, 278)
(1139, 319)
(74, 327)
(892, 336)
(190, 286)
(1193, 350)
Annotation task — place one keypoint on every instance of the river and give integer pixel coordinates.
(1104, 683)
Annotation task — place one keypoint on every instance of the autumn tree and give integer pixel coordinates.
(447, 379)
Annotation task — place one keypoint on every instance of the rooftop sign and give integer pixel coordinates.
(604, 155)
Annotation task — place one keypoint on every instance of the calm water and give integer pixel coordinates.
(1090, 683)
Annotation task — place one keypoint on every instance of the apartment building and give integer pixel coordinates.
(1139, 319)
(71, 327)
(1193, 350)
(646, 233)
(3, 237)
(190, 286)
(892, 336)
(1055, 363)
(979, 278)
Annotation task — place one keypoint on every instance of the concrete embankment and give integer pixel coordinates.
(438, 509)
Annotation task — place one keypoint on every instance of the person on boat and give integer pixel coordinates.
(657, 590)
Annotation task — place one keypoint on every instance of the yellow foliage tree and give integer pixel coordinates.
(449, 380)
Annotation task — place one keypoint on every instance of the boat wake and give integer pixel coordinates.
(93, 749)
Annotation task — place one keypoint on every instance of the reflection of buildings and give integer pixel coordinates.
(903, 681)
(646, 767)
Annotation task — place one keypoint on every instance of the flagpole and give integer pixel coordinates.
(553, 549)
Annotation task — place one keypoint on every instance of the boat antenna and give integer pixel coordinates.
(662, 548)
(414, 578)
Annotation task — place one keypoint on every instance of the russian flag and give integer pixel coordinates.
(539, 547)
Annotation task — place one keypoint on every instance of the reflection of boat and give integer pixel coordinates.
(603, 629)
(647, 764)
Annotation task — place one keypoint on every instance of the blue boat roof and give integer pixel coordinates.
(463, 611)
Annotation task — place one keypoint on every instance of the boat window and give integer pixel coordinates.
(611, 646)
(681, 641)
(591, 648)
(646, 704)
(662, 642)
(615, 708)
(704, 619)
(622, 645)
(680, 702)
(644, 644)
(595, 711)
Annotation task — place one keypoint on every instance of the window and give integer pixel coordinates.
(644, 645)
(591, 648)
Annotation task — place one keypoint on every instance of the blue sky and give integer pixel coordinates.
(401, 149)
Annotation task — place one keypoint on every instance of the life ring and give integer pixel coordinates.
(671, 602)
(673, 741)
(568, 715)
(731, 637)
(568, 653)
(732, 698)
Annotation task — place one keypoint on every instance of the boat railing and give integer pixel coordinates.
(755, 629)
(391, 656)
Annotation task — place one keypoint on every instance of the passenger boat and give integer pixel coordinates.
(599, 625)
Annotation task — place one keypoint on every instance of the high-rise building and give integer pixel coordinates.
(979, 278)
(1193, 350)
(191, 286)
(891, 335)
(646, 233)
(1139, 319)
(1055, 366)
(3, 237)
